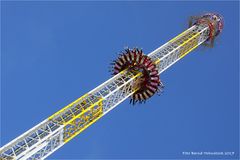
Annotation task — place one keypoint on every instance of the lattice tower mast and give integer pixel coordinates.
(134, 77)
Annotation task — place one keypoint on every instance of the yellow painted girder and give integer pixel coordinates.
(88, 117)
(66, 107)
(178, 36)
(189, 46)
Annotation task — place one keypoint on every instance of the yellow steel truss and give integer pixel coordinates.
(190, 44)
(66, 107)
(79, 123)
(76, 123)
(186, 43)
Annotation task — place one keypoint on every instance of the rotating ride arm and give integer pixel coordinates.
(45, 138)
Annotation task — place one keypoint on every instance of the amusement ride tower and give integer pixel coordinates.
(136, 75)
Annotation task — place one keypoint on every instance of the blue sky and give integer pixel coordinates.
(54, 52)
